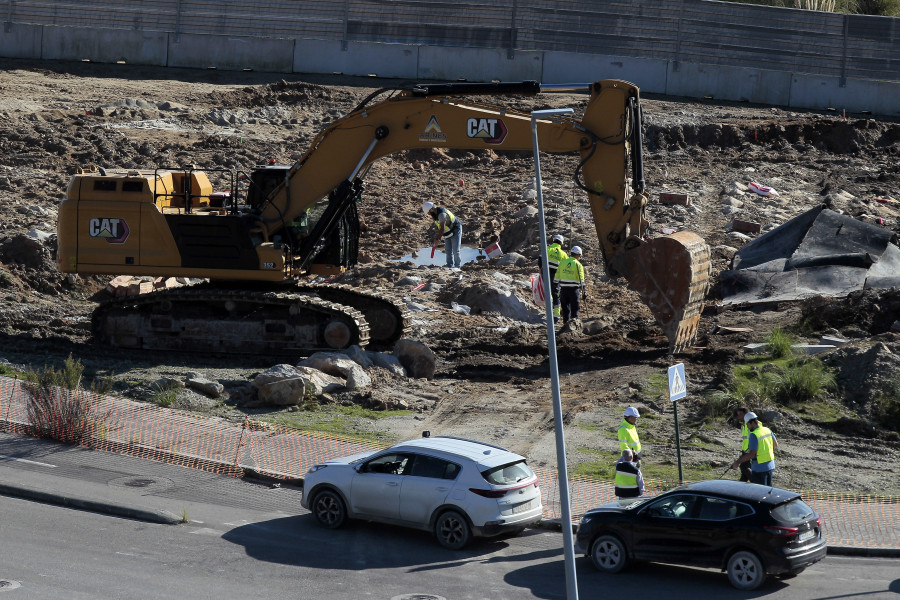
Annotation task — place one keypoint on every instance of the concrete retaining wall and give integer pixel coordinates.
(382, 60)
(818, 92)
(20, 41)
(477, 64)
(230, 53)
(729, 83)
(418, 62)
(649, 74)
(104, 45)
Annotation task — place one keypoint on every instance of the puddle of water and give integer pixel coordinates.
(467, 254)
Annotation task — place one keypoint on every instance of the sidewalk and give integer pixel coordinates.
(157, 492)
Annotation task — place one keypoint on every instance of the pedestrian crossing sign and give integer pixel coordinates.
(677, 383)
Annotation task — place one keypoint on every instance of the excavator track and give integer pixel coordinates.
(226, 321)
(671, 274)
(387, 318)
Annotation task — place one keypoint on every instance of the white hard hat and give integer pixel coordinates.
(632, 412)
(558, 238)
(575, 250)
(427, 206)
(749, 417)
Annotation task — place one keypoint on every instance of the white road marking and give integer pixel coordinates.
(30, 462)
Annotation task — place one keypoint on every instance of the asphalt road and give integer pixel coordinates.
(54, 552)
(171, 532)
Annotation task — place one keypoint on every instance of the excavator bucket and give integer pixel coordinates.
(671, 274)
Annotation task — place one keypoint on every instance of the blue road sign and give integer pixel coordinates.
(677, 382)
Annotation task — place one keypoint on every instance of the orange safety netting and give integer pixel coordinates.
(219, 446)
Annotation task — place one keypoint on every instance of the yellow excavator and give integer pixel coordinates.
(257, 240)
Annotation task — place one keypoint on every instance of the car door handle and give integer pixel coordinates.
(442, 489)
(393, 483)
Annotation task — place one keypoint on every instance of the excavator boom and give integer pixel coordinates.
(302, 217)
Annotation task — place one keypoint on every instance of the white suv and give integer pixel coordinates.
(454, 487)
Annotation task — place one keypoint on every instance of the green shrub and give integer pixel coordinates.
(886, 408)
(55, 407)
(719, 404)
(804, 380)
(780, 343)
(164, 396)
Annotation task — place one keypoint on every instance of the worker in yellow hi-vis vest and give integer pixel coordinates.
(760, 451)
(570, 277)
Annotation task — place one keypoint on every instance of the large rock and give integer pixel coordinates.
(284, 392)
(213, 389)
(497, 297)
(335, 363)
(359, 356)
(512, 259)
(285, 385)
(389, 362)
(416, 358)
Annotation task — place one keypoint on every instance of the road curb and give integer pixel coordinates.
(143, 514)
(866, 552)
(556, 525)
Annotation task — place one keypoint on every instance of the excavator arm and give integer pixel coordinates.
(298, 218)
(671, 274)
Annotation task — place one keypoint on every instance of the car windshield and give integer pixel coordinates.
(508, 474)
(795, 511)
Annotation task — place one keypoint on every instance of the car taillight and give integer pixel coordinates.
(488, 493)
(781, 531)
(819, 522)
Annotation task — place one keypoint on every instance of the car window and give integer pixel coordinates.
(679, 506)
(392, 463)
(792, 512)
(507, 474)
(433, 467)
(719, 509)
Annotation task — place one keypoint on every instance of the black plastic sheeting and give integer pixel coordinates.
(818, 253)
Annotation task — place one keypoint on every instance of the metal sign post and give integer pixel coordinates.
(677, 390)
(568, 541)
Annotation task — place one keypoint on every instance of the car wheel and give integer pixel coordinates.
(608, 554)
(452, 530)
(745, 571)
(329, 510)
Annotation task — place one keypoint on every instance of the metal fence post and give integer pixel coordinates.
(237, 451)
(511, 52)
(177, 20)
(842, 82)
(346, 24)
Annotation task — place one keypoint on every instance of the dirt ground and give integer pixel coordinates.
(492, 379)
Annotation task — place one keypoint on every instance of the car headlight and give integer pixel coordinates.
(315, 468)
(586, 520)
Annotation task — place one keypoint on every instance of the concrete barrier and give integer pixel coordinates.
(20, 41)
(104, 45)
(816, 91)
(195, 51)
(477, 64)
(570, 67)
(383, 60)
(729, 83)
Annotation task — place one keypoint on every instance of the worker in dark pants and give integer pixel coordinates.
(555, 255)
(745, 442)
(570, 277)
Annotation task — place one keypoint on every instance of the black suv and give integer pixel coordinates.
(745, 529)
